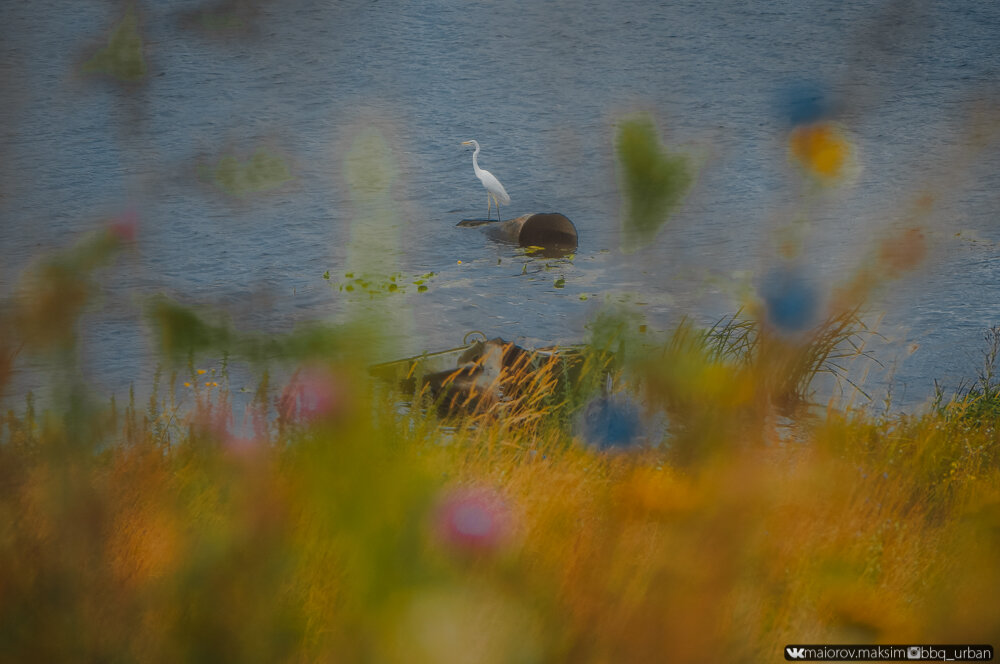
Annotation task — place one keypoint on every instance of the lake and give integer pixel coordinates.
(356, 112)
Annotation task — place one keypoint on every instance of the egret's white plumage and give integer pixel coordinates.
(495, 192)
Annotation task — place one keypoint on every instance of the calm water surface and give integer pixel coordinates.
(336, 88)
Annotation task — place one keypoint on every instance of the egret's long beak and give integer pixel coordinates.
(466, 142)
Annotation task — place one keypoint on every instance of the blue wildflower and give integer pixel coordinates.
(803, 102)
(792, 302)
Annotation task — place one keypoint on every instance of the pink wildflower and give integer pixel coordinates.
(313, 393)
(125, 227)
(473, 520)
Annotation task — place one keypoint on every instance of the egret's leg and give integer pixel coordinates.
(498, 210)
(489, 205)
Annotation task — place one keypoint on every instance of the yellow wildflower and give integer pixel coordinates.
(820, 148)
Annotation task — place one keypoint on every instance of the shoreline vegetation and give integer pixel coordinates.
(653, 496)
(542, 521)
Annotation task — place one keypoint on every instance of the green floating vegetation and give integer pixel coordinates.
(381, 285)
(262, 172)
(653, 181)
(122, 58)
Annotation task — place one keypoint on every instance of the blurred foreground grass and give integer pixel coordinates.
(336, 526)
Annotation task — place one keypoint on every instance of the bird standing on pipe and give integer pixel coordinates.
(495, 192)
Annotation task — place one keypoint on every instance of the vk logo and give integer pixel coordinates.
(794, 653)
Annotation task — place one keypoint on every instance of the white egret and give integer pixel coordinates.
(494, 190)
